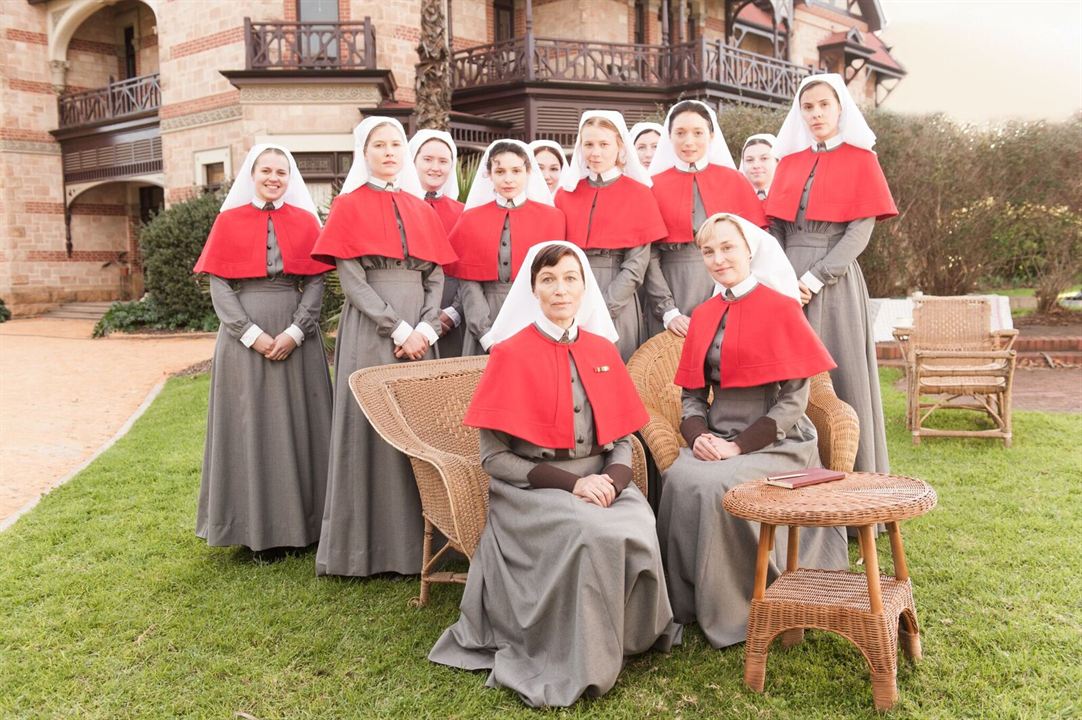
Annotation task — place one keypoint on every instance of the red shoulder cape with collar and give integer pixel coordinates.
(237, 245)
(849, 185)
(526, 390)
(475, 238)
(625, 215)
(767, 339)
(363, 223)
(722, 190)
(449, 210)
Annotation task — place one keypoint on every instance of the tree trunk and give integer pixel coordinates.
(433, 81)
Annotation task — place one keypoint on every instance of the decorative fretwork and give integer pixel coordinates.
(115, 101)
(310, 45)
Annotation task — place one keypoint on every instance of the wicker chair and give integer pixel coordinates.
(653, 367)
(418, 409)
(951, 354)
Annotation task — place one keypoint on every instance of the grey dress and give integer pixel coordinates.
(372, 520)
(676, 276)
(481, 301)
(560, 591)
(839, 314)
(265, 460)
(710, 554)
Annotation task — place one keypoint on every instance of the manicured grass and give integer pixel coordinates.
(111, 608)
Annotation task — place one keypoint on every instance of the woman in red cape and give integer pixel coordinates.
(612, 216)
(751, 346)
(567, 579)
(389, 247)
(828, 192)
(265, 459)
(694, 177)
(508, 211)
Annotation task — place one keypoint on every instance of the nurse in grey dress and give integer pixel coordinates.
(265, 460)
(389, 247)
(567, 579)
(827, 193)
(754, 426)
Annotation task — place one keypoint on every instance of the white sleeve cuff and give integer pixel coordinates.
(486, 341)
(296, 333)
(453, 314)
(251, 335)
(425, 329)
(401, 332)
(814, 284)
(669, 317)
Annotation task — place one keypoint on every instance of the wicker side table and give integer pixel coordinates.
(867, 609)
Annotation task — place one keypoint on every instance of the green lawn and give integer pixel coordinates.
(111, 608)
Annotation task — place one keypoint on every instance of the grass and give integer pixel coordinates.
(111, 608)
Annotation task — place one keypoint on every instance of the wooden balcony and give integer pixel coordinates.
(124, 100)
(310, 46)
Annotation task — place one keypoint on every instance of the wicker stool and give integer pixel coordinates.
(865, 608)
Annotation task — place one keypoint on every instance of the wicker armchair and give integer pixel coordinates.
(951, 354)
(653, 367)
(418, 409)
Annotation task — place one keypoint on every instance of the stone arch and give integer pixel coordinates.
(64, 22)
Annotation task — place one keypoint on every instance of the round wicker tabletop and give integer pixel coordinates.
(859, 499)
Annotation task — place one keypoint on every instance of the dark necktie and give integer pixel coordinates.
(510, 204)
(267, 207)
(821, 147)
(761, 194)
(729, 295)
(430, 195)
(566, 337)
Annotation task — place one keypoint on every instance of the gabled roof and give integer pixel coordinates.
(865, 45)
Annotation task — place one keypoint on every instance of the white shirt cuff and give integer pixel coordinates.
(296, 333)
(401, 332)
(425, 329)
(486, 341)
(453, 314)
(251, 335)
(814, 284)
(669, 317)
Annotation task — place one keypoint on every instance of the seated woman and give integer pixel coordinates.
(567, 578)
(753, 347)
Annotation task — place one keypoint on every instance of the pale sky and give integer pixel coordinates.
(982, 61)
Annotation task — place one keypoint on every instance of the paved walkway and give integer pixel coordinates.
(63, 395)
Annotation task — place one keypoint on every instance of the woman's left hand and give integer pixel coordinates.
(283, 346)
(805, 293)
(726, 448)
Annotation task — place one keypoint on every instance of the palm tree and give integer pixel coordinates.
(433, 78)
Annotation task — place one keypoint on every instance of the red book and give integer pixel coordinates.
(811, 476)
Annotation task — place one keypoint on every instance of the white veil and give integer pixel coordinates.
(795, 136)
(358, 172)
(716, 154)
(769, 264)
(450, 188)
(576, 170)
(242, 191)
(482, 190)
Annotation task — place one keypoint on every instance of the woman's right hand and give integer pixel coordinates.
(263, 344)
(413, 348)
(596, 489)
(679, 325)
(705, 449)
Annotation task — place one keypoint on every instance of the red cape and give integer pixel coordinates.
(625, 215)
(767, 339)
(849, 185)
(363, 223)
(237, 245)
(448, 209)
(475, 238)
(526, 390)
(722, 190)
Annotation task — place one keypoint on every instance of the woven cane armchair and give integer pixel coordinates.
(953, 356)
(418, 409)
(653, 367)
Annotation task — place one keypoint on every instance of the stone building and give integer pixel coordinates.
(112, 108)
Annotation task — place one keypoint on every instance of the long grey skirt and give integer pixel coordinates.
(559, 593)
(628, 321)
(268, 423)
(710, 554)
(839, 314)
(372, 520)
(450, 345)
(688, 280)
(495, 294)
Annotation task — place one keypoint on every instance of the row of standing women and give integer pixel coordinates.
(675, 244)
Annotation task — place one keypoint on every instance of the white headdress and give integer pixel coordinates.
(757, 139)
(450, 187)
(795, 136)
(522, 308)
(242, 191)
(359, 173)
(716, 154)
(769, 264)
(639, 128)
(576, 170)
(482, 190)
(549, 145)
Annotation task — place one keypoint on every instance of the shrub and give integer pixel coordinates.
(5, 313)
(146, 314)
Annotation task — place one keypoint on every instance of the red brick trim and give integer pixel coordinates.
(27, 135)
(208, 42)
(99, 209)
(210, 102)
(289, 10)
(92, 46)
(26, 36)
(44, 208)
(76, 255)
(344, 11)
(31, 86)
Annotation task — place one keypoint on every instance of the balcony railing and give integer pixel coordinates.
(115, 101)
(310, 46)
(532, 58)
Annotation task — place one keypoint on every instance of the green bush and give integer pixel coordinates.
(5, 313)
(146, 314)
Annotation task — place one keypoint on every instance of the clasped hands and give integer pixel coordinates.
(413, 348)
(274, 348)
(710, 447)
(596, 489)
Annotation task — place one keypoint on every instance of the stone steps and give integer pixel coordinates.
(79, 311)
